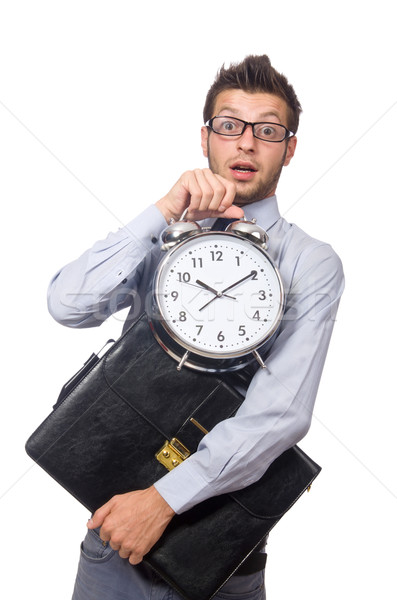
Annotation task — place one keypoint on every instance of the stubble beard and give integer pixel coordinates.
(262, 190)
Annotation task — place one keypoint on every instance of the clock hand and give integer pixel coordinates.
(211, 289)
(207, 287)
(222, 293)
(193, 284)
(252, 274)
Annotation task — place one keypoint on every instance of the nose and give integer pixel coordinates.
(246, 140)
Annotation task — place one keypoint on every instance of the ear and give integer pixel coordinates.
(290, 150)
(204, 140)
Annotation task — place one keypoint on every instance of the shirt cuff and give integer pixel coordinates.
(182, 488)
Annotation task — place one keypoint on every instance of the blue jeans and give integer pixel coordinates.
(103, 575)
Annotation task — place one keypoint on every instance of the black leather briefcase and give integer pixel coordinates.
(110, 430)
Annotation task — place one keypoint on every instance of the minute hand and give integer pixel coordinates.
(252, 274)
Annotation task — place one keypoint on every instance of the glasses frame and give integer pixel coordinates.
(288, 133)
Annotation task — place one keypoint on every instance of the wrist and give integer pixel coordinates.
(165, 507)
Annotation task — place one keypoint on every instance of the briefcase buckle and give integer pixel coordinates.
(172, 454)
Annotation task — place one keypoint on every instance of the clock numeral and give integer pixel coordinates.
(237, 260)
(183, 277)
(241, 330)
(221, 337)
(174, 295)
(182, 316)
(255, 276)
(262, 295)
(216, 255)
(256, 315)
(197, 262)
(200, 328)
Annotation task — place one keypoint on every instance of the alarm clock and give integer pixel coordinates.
(217, 297)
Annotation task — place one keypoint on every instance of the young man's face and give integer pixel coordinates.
(260, 161)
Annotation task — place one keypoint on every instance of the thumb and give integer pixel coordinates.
(99, 516)
(233, 212)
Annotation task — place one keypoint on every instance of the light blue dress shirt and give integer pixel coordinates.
(277, 410)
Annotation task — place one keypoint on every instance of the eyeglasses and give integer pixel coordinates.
(230, 126)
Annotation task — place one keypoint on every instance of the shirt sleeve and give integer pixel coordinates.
(277, 410)
(111, 275)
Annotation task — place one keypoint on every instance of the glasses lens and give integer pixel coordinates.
(271, 132)
(227, 125)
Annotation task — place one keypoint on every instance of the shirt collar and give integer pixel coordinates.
(264, 211)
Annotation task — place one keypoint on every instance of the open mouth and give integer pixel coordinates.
(243, 168)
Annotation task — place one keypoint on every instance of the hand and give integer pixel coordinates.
(222, 293)
(207, 194)
(133, 522)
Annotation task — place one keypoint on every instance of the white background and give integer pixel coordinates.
(80, 82)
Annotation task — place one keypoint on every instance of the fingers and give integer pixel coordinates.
(205, 193)
(209, 192)
(135, 558)
(127, 549)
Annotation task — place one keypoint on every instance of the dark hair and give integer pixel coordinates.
(254, 74)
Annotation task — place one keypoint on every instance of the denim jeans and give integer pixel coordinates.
(103, 575)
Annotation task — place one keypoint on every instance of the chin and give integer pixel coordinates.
(250, 198)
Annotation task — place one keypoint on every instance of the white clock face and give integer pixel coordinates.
(219, 295)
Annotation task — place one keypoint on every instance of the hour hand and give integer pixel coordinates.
(207, 287)
(213, 290)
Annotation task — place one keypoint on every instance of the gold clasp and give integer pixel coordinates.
(172, 454)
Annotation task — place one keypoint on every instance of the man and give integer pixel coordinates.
(251, 118)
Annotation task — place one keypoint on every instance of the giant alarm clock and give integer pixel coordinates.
(217, 296)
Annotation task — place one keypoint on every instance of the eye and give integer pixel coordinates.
(273, 132)
(267, 131)
(228, 125)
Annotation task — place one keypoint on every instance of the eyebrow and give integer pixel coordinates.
(261, 116)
